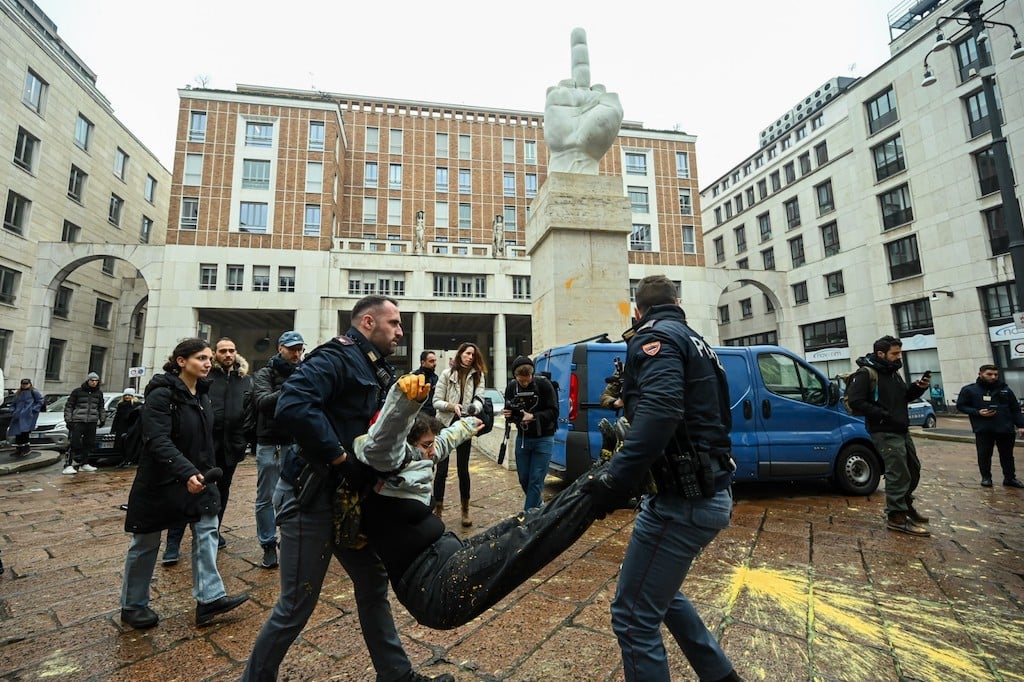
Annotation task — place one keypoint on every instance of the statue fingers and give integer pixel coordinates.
(580, 58)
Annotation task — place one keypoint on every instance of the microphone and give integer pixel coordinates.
(213, 475)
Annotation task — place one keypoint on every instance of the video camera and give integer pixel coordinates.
(521, 402)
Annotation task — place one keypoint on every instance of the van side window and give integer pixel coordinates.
(788, 378)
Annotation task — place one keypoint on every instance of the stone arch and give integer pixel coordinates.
(773, 284)
(55, 261)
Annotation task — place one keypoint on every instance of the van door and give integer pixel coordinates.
(801, 432)
(746, 431)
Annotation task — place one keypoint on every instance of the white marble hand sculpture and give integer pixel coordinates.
(580, 120)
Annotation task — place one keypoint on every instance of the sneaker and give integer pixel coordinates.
(900, 523)
(69, 470)
(87, 467)
(171, 555)
(985, 482)
(206, 612)
(140, 619)
(1014, 483)
(269, 556)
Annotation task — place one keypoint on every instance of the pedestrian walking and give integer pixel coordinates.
(83, 413)
(532, 405)
(28, 403)
(996, 419)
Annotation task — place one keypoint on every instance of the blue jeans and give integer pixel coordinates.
(306, 550)
(267, 471)
(668, 534)
(207, 585)
(533, 455)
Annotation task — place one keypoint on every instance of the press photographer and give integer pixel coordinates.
(532, 405)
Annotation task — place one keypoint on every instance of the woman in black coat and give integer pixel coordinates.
(169, 488)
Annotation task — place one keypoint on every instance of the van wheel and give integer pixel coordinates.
(858, 470)
(929, 423)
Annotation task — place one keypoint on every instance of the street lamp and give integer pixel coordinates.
(976, 22)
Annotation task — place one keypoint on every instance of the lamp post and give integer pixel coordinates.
(977, 23)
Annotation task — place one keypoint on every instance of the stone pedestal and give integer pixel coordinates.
(577, 238)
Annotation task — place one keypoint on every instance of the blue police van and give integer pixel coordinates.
(787, 423)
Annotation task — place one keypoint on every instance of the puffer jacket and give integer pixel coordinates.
(177, 428)
(85, 405)
(227, 394)
(267, 383)
(995, 395)
(449, 392)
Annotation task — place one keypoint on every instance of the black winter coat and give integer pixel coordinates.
(887, 414)
(1000, 398)
(267, 383)
(543, 406)
(177, 428)
(227, 394)
(85, 405)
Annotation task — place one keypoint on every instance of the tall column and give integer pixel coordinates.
(416, 344)
(499, 372)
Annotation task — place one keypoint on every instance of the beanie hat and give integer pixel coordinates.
(92, 375)
(128, 391)
(520, 361)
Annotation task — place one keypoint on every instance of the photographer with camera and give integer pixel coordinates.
(531, 404)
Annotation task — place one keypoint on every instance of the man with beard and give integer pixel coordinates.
(878, 392)
(994, 412)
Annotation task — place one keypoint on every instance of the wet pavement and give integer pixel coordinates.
(807, 584)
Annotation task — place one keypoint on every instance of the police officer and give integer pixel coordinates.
(326, 402)
(677, 400)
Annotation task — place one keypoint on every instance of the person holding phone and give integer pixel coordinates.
(996, 419)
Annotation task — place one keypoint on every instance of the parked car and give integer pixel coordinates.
(105, 440)
(497, 398)
(921, 413)
(787, 423)
(51, 432)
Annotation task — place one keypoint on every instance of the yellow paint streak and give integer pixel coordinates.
(569, 282)
(624, 309)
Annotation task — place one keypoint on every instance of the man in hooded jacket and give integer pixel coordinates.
(994, 412)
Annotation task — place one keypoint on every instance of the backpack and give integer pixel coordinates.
(847, 378)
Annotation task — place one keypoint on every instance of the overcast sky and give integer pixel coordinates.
(719, 70)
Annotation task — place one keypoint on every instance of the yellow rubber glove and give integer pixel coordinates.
(414, 386)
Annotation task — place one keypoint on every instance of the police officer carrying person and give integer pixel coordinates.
(428, 368)
(677, 399)
(327, 401)
(271, 439)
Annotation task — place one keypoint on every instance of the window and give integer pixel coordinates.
(509, 218)
(736, 176)
(394, 176)
(197, 126)
(465, 181)
(441, 145)
(530, 152)
(749, 192)
(824, 193)
(315, 177)
(999, 300)
(801, 132)
(17, 212)
(316, 136)
(764, 226)
(805, 163)
(114, 214)
(789, 172)
(107, 265)
(746, 309)
(636, 164)
(776, 182)
(8, 285)
(145, 230)
(904, 260)
(252, 217)
(787, 142)
(395, 141)
(194, 171)
(370, 170)
(821, 153)
(236, 277)
(743, 264)
(796, 251)
(817, 121)
(76, 184)
(531, 185)
(718, 215)
(311, 221)
(888, 158)
(70, 232)
(259, 134)
(54, 359)
(640, 238)
(97, 358)
(827, 334)
(508, 181)
(830, 238)
(998, 237)
(440, 179)
(26, 150)
(689, 239)
(985, 162)
(773, 151)
(120, 164)
(978, 113)
(762, 189)
(738, 203)
(719, 244)
(768, 258)
(373, 139)
(834, 283)
(149, 191)
(968, 57)
(62, 304)
(799, 293)
(34, 94)
(261, 278)
(101, 315)
(508, 150)
(83, 132)
(394, 212)
(441, 218)
(913, 317)
(460, 286)
(465, 215)
(685, 202)
(286, 279)
(189, 213)
(792, 213)
(465, 147)
(521, 287)
(759, 162)
(723, 314)
(369, 210)
(896, 209)
(255, 173)
(638, 201)
(682, 165)
(881, 110)
(741, 238)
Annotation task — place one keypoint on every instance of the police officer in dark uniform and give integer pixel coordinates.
(326, 403)
(677, 400)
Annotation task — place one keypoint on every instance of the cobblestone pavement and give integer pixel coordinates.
(807, 584)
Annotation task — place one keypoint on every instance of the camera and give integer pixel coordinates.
(521, 402)
(474, 409)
